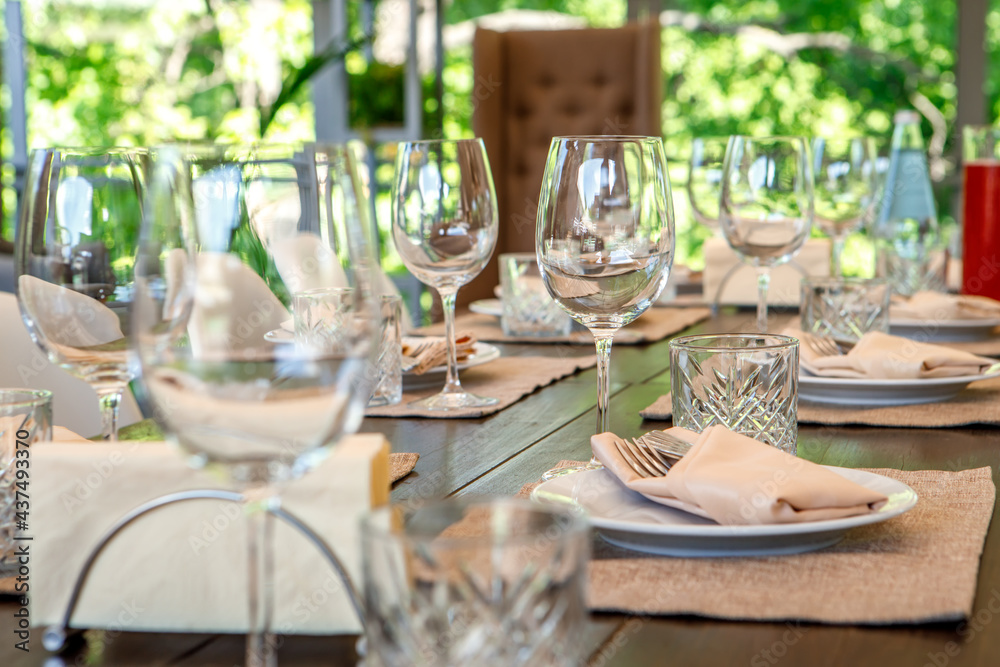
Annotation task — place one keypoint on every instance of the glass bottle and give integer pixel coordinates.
(911, 255)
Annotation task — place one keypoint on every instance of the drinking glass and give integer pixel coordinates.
(25, 418)
(388, 370)
(475, 582)
(705, 178)
(749, 383)
(223, 228)
(845, 309)
(845, 176)
(766, 205)
(605, 237)
(444, 224)
(528, 310)
(912, 257)
(75, 252)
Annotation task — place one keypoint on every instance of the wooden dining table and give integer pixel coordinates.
(497, 455)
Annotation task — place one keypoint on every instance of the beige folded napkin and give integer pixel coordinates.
(940, 306)
(733, 480)
(882, 356)
(184, 567)
(66, 317)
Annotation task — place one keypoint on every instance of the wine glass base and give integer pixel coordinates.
(448, 400)
(560, 472)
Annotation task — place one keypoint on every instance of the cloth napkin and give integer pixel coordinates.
(939, 306)
(881, 356)
(71, 319)
(734, 480)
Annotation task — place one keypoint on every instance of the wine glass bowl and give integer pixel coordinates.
(234, 223)
(845, 178)
(75, 253)
(445, 226)
(766, 204)
(605, 236)
(705, 178)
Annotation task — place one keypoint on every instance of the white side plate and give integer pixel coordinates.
(487, 307)
(865, 392)
(627, 519)
(932, 331)
(482, 353)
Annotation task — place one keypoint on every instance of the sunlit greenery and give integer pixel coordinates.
(140, 72)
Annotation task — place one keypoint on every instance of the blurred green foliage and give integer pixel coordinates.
(140, 72)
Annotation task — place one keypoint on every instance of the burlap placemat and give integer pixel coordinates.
(979, 403)
(916, 568)
(508, 378)
(400, 465)
(655, 324)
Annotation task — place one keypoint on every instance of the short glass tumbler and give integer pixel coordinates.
(845, 309)
(25, 418)
(320, 317)
(746, 382)
(475, 582)
(528, 309)
(388, 370)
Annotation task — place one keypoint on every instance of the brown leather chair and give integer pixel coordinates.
(532, 86)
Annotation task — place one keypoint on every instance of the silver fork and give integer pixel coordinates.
(821, 345)
(642, 458)
(667, 443)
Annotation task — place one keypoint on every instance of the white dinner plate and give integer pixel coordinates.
(280, 336)
(482, 353)
(487, 307)
(862, 391)
(627, 519)
(932, 331)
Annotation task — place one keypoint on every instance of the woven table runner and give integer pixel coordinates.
(979, 403)
(508, 378)
(655, 324)
(915, 568)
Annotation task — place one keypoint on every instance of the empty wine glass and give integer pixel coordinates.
(705, 178)
(605, 237)
(845, 173)
(229, 232)
(75, 252)
(766, 206)
(444, 224)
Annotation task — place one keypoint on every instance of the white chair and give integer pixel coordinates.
(23, 364)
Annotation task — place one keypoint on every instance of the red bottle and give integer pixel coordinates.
(981, 212)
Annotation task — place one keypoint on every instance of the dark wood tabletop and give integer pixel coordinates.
(501, 453)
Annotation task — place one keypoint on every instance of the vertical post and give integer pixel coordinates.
(970, 79)
(439, 64)
(640, 10)
(13, 66)
(329, 86)
(413, 98)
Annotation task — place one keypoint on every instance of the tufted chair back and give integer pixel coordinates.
(534, 85)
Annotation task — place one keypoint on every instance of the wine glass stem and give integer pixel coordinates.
(110, 402)
(451, 385)
(602, 341)
(260, 648)
(763, 282)
(838, 250)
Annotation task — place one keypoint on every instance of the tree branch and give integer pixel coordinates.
(788, 46)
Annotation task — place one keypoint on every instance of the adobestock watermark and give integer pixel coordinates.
(778, 649)
(977, 623)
